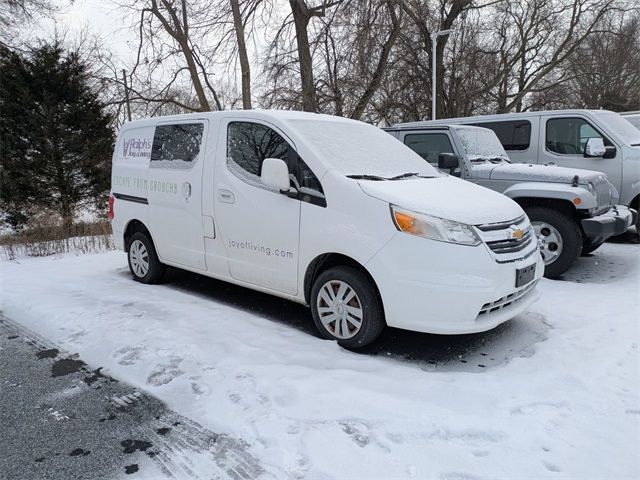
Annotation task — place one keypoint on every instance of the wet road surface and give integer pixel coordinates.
(63, 419)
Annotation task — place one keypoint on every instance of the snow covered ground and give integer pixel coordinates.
(554, 393)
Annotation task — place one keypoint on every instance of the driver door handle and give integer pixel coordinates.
(226, 196)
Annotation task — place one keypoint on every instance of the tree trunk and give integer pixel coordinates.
(301, 17)
(242, 54)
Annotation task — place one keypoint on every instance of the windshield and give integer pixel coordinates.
(354, 148)
(629, 134)
(480, 143)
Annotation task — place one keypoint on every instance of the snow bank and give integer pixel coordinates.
(554, 393)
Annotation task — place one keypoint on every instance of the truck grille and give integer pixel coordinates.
(509, 241)
(602, 192)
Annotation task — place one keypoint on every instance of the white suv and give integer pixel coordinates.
(325, 211)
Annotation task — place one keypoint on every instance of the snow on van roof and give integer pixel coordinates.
(256, 114)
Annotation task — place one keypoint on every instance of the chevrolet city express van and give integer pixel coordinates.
(329, 212)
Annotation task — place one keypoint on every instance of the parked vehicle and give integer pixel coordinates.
(570, 209)
(560, 137)
(633, 118)
(308, 207)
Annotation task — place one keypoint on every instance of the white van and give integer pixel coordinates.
(324, 211)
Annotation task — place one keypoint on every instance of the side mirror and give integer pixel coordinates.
(275, 173)
(595, 148)
(448, 161)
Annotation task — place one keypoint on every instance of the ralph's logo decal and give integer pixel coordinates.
(136, 148)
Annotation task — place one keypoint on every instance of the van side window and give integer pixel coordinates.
(513, 135)
(308, 178)
(248, 144)
(568, 136)
(429, 145)
(176, 143)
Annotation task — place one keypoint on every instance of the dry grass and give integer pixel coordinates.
(40, 241)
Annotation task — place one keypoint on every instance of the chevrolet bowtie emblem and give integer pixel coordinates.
(517, 234)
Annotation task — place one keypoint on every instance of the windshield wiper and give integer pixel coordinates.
(404, 175)
(366, 177)
(499, 160)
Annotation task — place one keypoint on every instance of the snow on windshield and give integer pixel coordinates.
(624, 129)
(354, 148)
(480, 142)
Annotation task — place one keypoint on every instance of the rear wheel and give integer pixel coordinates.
(346, 307)
(559, 239)
(143, 261)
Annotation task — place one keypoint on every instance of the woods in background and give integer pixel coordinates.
(365, 59)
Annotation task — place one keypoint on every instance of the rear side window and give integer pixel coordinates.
(176, 145)
(429, 145)
(513, 135)
(248, 144)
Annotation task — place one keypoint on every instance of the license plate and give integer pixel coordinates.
(525, 275)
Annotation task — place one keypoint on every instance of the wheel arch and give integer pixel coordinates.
(564, 206)
(328, 260)
(133, 226)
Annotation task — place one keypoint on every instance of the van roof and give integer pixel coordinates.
(255, 114)
(501, 117)
(431, 126)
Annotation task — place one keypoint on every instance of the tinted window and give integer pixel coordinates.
(514, 135)
(429, 145)
(248, 144)
(568, 136)
(177, 142)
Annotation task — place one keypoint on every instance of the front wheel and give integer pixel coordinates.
(559, 239)
(346, 307)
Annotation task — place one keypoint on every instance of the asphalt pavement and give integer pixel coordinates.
(63, 419)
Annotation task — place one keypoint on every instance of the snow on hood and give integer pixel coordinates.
(533, 173)
(446, 197)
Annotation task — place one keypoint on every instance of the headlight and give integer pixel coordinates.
(433, 228)
(591, 187)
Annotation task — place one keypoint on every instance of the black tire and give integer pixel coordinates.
(588, 247)
(571, 235)
(373, 322)
(155, 270)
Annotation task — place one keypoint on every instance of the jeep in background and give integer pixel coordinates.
(570, 209)
(560, 137)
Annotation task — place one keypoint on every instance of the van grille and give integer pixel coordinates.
(507, 300)
(509, 241)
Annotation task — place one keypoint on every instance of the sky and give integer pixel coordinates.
(100, 17)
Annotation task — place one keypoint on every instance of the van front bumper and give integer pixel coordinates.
(614, 222)
(436, 287)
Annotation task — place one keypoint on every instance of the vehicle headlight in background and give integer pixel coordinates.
(591, 187)
(433, 228)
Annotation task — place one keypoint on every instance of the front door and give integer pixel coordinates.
(260, 226)
(564, 140)
(174, 192)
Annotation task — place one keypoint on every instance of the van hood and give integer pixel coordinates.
(445, 197)
(522, 172)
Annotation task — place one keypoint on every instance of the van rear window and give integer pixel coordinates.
(177, 143)
(514, 135)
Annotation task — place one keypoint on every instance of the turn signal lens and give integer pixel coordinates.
(577, 201)
(405, 222)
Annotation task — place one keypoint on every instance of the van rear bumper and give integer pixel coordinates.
(442, 288)
(614, 222)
